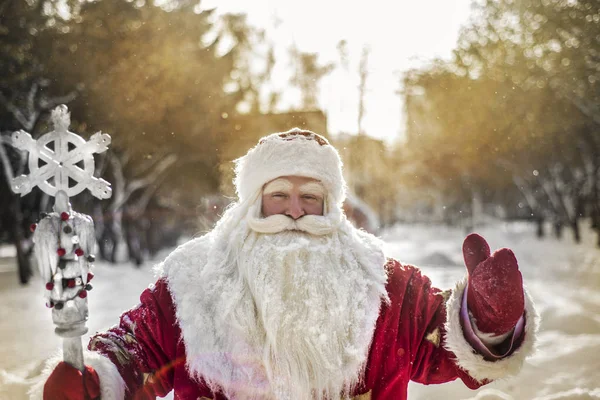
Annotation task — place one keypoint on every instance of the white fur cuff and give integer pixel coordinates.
(473, 362)
(112, 386)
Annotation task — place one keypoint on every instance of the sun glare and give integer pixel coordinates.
(400, 35)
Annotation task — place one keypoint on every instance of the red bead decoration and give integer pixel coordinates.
(71, 283)
(79, 252)
(32, 227)
(90, 276)
(61, 252)
(49, 285)
(82, 294)
(49, 304)
(64, 216)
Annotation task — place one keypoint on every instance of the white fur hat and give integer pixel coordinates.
(295, 152)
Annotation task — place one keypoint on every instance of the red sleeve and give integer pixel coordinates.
(409, 338)
(143, 345)
(432, 362)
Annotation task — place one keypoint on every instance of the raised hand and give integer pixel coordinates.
(495, 297)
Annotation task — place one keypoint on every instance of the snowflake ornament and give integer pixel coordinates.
(61, 160)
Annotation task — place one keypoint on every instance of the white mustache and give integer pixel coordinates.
(314, 224)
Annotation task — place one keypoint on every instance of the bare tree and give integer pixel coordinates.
(131, 196)
(26, 108)
(363, 71)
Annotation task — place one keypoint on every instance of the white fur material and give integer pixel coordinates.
(204, 292)
(474, 363)
(112, 386)
(298, 155)
(489, 339)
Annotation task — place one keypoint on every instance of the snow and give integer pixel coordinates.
(562, 277)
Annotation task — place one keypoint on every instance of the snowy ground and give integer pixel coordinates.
(563, 278)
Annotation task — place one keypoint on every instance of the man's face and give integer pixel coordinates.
(294, 196)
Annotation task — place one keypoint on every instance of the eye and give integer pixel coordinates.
(309, 197)
(279, 195)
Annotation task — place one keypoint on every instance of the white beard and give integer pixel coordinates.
(287, 315)
(304, 304)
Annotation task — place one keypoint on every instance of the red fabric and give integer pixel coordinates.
(149, 352)
(404, 345)
(495, 296)
(68, 383)
(147, 348)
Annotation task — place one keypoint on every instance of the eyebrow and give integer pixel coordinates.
(277, 185)
(313, 188)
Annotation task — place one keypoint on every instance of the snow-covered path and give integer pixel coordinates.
(563, 278)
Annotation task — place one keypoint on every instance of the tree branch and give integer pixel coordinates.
(48, 104)
(584, 108)
(136, 184)
(14, 110)
(8, 171)
(31, 106)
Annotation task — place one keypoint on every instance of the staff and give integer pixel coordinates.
(64, 239)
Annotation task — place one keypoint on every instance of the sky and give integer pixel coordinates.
(400, 35)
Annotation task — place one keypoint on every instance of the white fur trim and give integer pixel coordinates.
(489, 339)
(196, 288)
(112, 386)
(183, 269)
(473, 362)
(293, 155)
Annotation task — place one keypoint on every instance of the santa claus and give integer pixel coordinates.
(285, 299)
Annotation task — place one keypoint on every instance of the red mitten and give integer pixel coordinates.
(68, 383)
(495, 297)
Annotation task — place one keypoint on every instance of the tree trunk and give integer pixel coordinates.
(132, 234)
(108, 244)
(592, 147)
(18, 235)
(540, 227)
(476, 208)
(558, 227)
(596, 204)
(579, 213)
(24, 263)
(576, 230)
(134, 248)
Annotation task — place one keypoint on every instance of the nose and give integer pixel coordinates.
(295, 209)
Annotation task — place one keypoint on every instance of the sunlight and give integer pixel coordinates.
(400, 36)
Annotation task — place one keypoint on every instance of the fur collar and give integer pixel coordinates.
(198, 297)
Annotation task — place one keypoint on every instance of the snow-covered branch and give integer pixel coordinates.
(522, 184)
(143, 201)
(31, 105)
(8, 171)
(589, 110)
(119, 180)
(125, 190)
(14, 110)
(48, 104)
(29, 116)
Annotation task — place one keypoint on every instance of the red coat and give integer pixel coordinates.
(408, 344)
